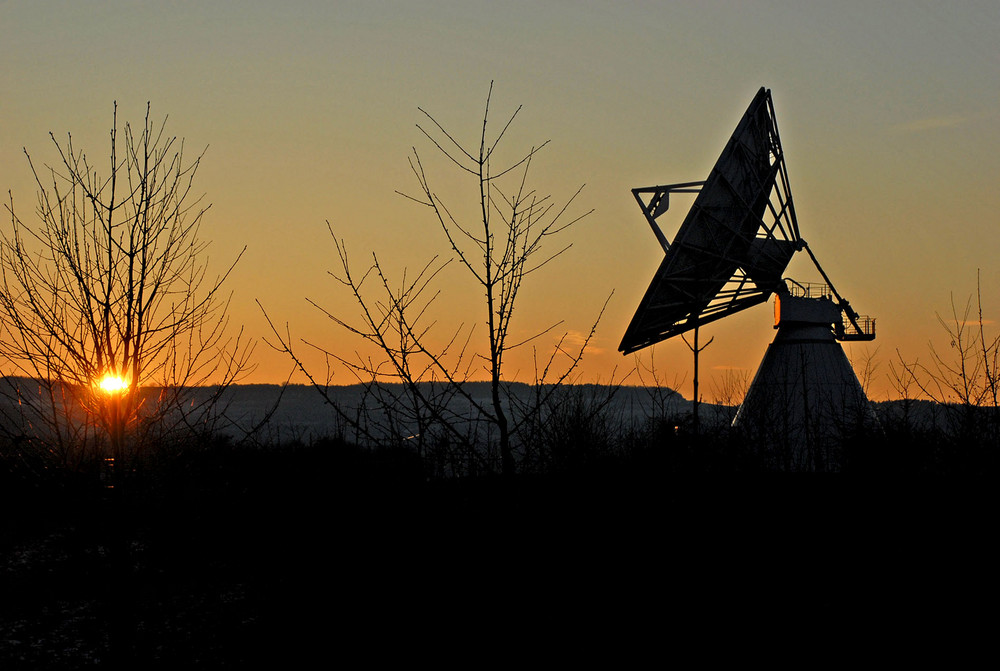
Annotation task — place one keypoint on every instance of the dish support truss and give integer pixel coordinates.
(734, 243)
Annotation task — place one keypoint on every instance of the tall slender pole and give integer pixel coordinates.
(694, 406)
(696, 350)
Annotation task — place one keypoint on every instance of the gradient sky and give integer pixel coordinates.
(888, 113)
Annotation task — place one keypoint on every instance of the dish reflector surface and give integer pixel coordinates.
(735, 242)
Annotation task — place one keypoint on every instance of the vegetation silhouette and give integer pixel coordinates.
(110, 278)
(610, 508)
(496, 247)
(285, 551)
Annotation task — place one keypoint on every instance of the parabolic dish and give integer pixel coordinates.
(734, 243)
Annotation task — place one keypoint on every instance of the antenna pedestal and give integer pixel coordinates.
(805, 403)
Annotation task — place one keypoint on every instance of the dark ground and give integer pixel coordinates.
(230, 558)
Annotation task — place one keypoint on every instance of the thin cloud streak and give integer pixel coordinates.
(928, 124)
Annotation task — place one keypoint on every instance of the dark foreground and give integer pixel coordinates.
(229, 558)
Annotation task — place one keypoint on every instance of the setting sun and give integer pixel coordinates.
(112, 384)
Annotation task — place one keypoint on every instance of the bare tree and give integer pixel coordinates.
(664, 404)
(109, 280)
(968, 375)
(962, 380)
(729, 393)
(504, 247)
(498, 248)
(866, 363)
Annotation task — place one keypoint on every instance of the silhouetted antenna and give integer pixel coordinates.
(729, 254)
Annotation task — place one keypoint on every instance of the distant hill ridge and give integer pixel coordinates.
(299, 411)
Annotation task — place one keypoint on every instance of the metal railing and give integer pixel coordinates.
(809, 289)
(863, 328)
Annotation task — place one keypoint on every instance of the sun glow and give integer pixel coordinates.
(112, 384)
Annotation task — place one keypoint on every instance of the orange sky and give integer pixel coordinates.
(888, 116)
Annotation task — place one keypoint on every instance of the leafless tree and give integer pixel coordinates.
(968, 375)
(729, 392)
(110, 277)
(664, 404)
(498, 249)
(962, 380)
(866, 363)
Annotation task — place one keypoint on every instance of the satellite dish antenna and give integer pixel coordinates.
(729, 254)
